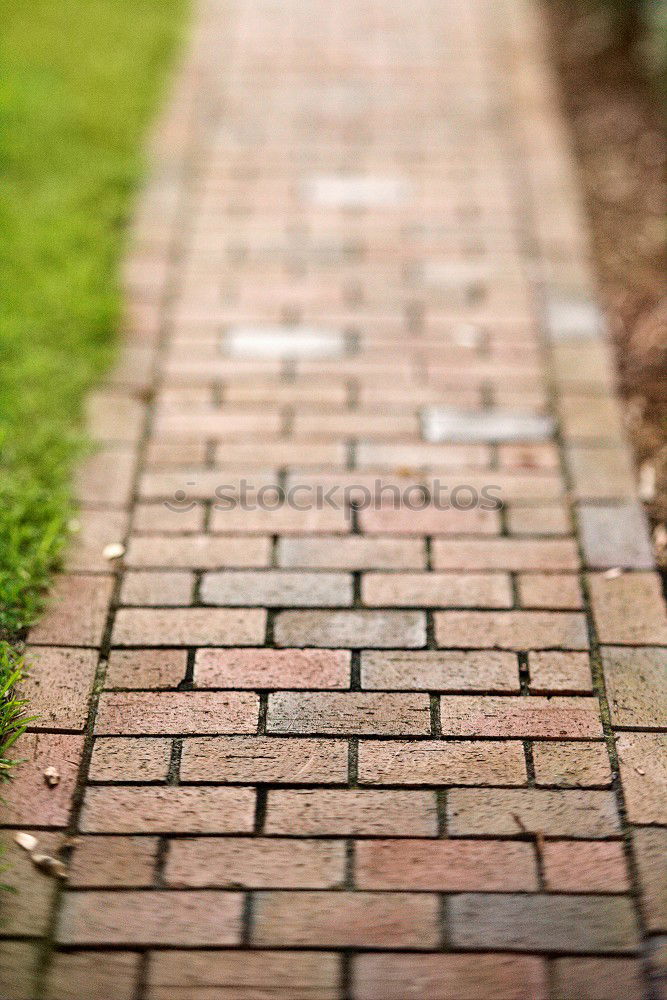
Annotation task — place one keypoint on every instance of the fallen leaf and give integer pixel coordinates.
(50, 866)
(113, 551)
(25, 840)
(52, 776)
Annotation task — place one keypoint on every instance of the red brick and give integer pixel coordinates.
(440, 590)
(526, 718)
(143, 588)
(643, 763)
(189, 626)
(113, 861)
(571, 765)
(514, 811)
(18, 961)
(550, 590)
(505, 554)
(196, 551)
(585, 866)
(445, 865)
(353, 713)
(145, 918)
(282, 521)
(346, 920)
(177, 712)
(511, 629)
(168, 810)
(555, 671)
(157, 517)
(106, 477)
(264, 759)
(613, 597)
(28, 799)
(539, 520)
(441, 762)
(449, 977)
(351, 812)
(592, 978)
(58, 686)
(277, 588)
(76, 612)
(636, 685)
(272, 668)
(28, 898)
(427, 670)
(255, 863)
(95, 530)
(133, 759)
(650, 850)
(95, 975)
(146, 668)
(264, 975)
(354, 552)
(379, 629)
(430, 521)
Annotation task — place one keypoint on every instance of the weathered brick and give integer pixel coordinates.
(284, 520)
(146, 668)
(196, 551)
(272, 668)
(95, 975)
(269, 975)
(445, 865)
(76, 612)
(449, 977)
(264, 759)
(58, 686)
(277, 588)
(511, 629)
(18, 962)
(95, 530)
(443, 590)
(130, 759)
(161, 519)
(556, 671)
(615, 535)
(611, 597)
(526, 718)
(27, 901)
(636, 685)
(550, 590)
(592, 978)
(168, 810)
(144, 918)
(601, 473)
(519, 810)
(427, 670)
(121, 862)
(643, 763)
(508, 554)
(355, 812)
(157, 588)
(178, 712)
(106, 477)
(543, 923)
(189, 626)
(379, 629)
(650, 850)
(585, 866)
(355, 552)
(352, 713)
(571, 765)
(345, 919)
(255, 863)
(429, 521)
(551, 519)
(27, 799)
(441, 762)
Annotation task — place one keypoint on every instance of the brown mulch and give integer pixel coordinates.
(613, 106)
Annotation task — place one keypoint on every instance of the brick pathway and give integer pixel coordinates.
(373, 755)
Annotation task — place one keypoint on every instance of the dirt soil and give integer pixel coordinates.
(614, 108)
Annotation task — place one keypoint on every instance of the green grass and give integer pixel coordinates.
(80, 81)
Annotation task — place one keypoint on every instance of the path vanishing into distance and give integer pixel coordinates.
(397, 734)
